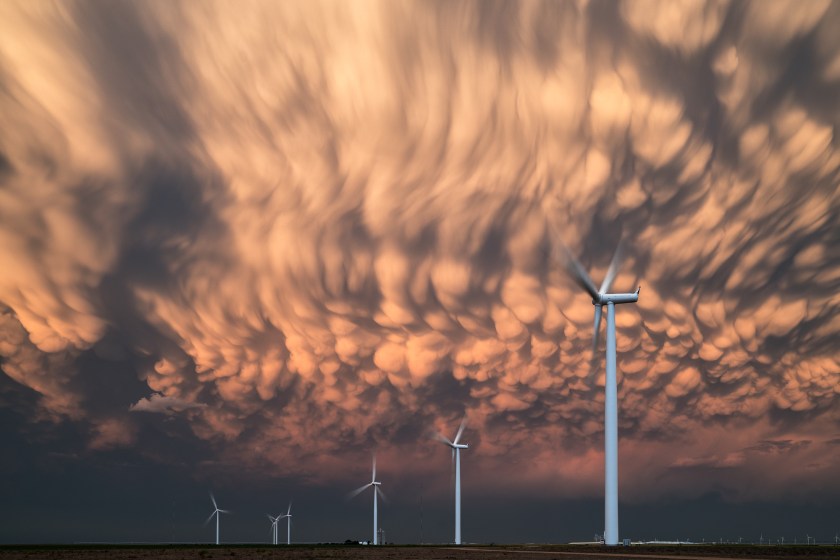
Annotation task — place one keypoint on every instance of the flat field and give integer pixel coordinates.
(477, 552)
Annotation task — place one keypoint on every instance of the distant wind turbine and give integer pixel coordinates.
(273, 528)
(376, 490)
(600, 298)
(216, 512)
(288, 518)
(456, 454)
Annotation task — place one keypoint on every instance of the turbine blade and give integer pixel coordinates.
(358, 491)
(581, 277)
(574, 268)
(576, 271)
(214, 501)
(612, 271)
(373, 479)
(224, 511)
(382, 495)
(460, 430)
(289, 511)
(206, 521)
(597, 332)
(442, 438)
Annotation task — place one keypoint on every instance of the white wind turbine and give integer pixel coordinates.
(216, 512)
(456, 454)
(273, 528)
(376, 490)
(600, 298)
(288, 518)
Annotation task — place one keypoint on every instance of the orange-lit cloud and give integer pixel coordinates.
(324, 226)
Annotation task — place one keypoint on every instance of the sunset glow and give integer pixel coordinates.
(290, 233)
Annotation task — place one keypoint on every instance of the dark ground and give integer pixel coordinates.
(484, 552)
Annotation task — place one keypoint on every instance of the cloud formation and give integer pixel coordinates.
(160, 404)
(335, 223)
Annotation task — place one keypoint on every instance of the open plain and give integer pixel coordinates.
(478, 552)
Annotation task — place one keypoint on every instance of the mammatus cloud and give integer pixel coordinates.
(48, 373)
(333, 223)
(163, 405)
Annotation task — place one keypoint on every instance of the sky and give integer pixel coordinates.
(245, 245)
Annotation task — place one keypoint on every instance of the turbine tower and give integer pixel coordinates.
(216, 512)
(288, 517)
(376, 490)
(600, 298)
(456, 454)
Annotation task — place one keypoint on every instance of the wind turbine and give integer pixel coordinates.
(288, 517)
(273, 528)
(456, 454)
(600, 298)
(216, 512)
(376, 490)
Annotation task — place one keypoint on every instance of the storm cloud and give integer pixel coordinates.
(314, 228)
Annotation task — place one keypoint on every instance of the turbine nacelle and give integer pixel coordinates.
(604, 299)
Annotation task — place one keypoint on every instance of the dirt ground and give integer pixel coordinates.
(339, 552)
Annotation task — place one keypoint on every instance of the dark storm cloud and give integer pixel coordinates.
(322, 227)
